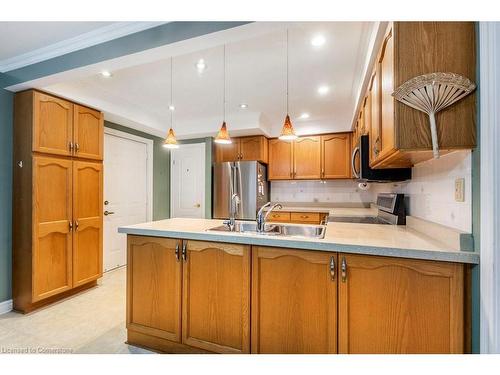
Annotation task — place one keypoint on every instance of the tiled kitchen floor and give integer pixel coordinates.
(91, 322)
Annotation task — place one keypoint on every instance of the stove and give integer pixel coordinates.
(391, 210)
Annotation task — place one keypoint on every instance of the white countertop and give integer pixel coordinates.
(372, 239)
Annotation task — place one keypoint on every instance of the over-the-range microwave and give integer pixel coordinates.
(361, 166)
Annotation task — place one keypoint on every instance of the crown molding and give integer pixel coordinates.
(91, 38)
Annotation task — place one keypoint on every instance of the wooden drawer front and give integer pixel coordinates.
(305, 217)
(279, 217)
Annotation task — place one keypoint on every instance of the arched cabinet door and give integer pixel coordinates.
(307, 158)
(52, 125)
(52, 227)
(88, 133)
(87, 215)
(395, 305)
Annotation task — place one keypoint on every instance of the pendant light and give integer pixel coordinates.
(223, 135)
(287, 132)
(171, 141)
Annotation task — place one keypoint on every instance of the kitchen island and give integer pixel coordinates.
(361, 289)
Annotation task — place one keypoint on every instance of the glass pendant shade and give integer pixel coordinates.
(223, 135)
(287, 132)
(170, 141)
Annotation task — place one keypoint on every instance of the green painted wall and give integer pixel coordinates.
(161, 171)
(6, 108)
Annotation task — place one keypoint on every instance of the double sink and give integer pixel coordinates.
(282, 230)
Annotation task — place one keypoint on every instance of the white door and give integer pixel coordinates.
(127, 191)
(187, 181)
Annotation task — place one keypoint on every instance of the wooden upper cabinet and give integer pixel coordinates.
(411, 49)
(88, 226)
(336, 155)
(375, 130)
(154, 286)
(254, 148)
(88, 133)
(394, 305)
(216, 297)
(224, 153)
(294, 301)
(52, 226)
(243, 148)
(280, 160)
(387, 144)
(52, 124)
(307, 158)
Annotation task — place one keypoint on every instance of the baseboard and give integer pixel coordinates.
(5, 306)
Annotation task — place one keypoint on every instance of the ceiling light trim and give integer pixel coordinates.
(88, 39)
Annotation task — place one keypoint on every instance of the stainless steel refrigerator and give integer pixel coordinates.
(248, 180)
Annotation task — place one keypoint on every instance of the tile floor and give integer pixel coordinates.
(91, 322)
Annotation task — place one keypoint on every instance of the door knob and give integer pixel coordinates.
(197, 205)
(106, 203)
(106, 213)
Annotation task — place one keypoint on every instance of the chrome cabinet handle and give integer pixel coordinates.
(353, 164)
(332, 268)
(304, 216)
(77, 224)
(184, 251)
(70, 226)
(344, 270)
(77, 147)
(177, 252)
(106, 213)
(71, 146)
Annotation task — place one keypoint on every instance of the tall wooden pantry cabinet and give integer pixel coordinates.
(57, 199)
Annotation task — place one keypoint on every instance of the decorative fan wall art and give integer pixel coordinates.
(431, 93)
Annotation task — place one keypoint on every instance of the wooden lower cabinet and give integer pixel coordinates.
(203, 287)
(216, 297)
(294, 301)
(154, 285)
(394, 305)
(194, 297)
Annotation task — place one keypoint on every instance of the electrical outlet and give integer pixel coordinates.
(460, 190)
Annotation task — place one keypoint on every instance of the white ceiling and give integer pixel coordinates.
(138, 93)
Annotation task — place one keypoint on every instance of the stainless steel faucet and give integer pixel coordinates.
(261, 218)
(231, 223)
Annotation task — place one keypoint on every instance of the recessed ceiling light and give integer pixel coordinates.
(318, 40)
(201, 66)
(243, 105)
(323, 89)
(304, 115)
(106, 73)
(171, 107)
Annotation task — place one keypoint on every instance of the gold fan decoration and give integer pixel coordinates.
(431, 93)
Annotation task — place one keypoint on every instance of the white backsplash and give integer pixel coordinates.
(431, 192)
(339, 191)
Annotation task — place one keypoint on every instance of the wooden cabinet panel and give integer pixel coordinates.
(294, 301)
(305, 217)
(254, 148)
(52, 124)
(336, 155)
(154, 285)
(307, 158)
(52, 218)
(88, 133)
(387, 136)
(394, 305)
(216, 297)
(88, 226)
(279, 217)
(228, 152)
(280, 160)
(376, 104)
